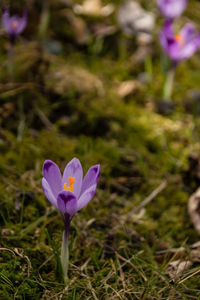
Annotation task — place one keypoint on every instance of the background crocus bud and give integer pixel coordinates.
(13, 25)
(171, 9)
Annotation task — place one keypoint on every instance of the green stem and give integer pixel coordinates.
(21, 125)
(65, 254)
(44, 20)
(148, 68)
(11, 62)
(169, 82)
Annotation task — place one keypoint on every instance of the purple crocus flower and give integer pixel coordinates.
(171, 9)
(179, 46)
(13, 25)
(71, 192)
(68, 193)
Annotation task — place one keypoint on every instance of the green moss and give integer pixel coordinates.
(67, 105)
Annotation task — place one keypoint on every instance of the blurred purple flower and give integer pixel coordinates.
(179, 46)
(13, 25)
(71, 192)
(171, 9)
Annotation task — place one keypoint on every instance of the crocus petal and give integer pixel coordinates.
(8, 23)
(166, 35)
(90, 178)
(86, 196)
(190, 48)
(22, 23)
(187, 32)
(168, 29)
(174, 50)
(12, 29)
(67, 203)
(6, 20)
(171, 8)
(181, 46)
(163, 41)
(52, 175)
(48, 192)
(74, 169)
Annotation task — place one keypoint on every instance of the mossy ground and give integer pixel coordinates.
(80, 114)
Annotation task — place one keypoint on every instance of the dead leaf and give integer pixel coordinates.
(195, 245)
(194, 209)
(7, 232)
(177, 266)
(128, 87)
(78, 26)
(101, 30)
(93, 8)
(195, 252)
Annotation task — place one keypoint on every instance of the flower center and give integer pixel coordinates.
(71, 184)
(180, 39)
(15, 24)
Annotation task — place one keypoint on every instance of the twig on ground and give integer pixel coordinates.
(121, 273)
(44, 118)
(191, 275)
(92, 290)
(128, 261)
(148, 199)
(9, 250)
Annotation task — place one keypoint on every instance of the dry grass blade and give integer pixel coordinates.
(121, 274)
(148, 199)
(132, 265)
(191, 275)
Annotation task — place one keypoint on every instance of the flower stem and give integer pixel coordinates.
(169, 82)
(11, 62)
(65, 253)
(44, 20)
(148, 68)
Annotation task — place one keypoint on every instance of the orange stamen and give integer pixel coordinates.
(15, 24)
(71, 184)
(179, 38)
